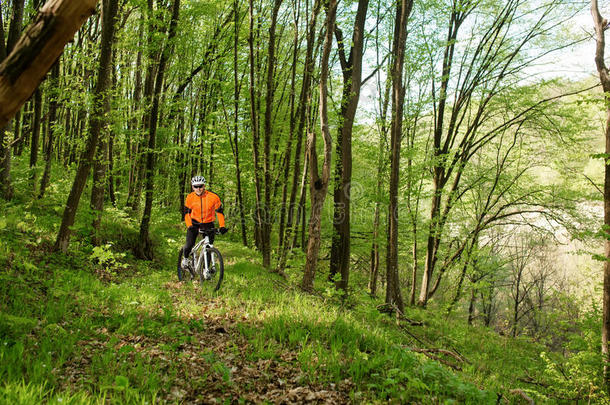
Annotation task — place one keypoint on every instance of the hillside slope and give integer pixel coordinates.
(98, 326)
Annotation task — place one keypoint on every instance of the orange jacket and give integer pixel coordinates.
(202, 208)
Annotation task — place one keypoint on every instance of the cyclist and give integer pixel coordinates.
(200, 207)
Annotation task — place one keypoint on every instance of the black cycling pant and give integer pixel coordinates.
(191, 235)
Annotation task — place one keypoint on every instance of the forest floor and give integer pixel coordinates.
(210, 360)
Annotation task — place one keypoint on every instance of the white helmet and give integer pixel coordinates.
(198, 181)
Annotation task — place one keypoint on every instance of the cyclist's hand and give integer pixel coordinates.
(223, 230)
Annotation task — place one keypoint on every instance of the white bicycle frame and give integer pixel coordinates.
(206, 245)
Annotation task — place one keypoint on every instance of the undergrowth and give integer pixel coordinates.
(96, 325)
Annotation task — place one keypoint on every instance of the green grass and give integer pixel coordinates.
(80, 330)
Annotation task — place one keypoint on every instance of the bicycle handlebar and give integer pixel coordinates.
(211, 231)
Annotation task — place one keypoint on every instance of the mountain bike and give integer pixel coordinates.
(205, 262)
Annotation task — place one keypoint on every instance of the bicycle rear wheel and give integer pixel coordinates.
(215, 273)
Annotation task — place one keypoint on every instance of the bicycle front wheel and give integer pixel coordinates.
(184, 274)
(213, 275)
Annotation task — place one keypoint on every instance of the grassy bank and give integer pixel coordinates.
(98, 326)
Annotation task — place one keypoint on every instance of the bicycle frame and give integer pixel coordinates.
(206, 246)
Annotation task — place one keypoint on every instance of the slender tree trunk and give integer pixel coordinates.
(270, 91)
(112, 182)
(430, 247)
(319, 184)
(111, 137)
(18, 131)
(438, 171)
(301, 116)
(211, 164)
(604, 77)
(258, 182)
(516, 303)
(97, 120)
(413, 207)
(403, 9)
(374, 267)
(16, 25)
(34, 145)
(133, 140)
(288, 155)
(25, 129)
(5, 186)
(99, 181)
(236, 92)
(149, 83)
(300, 210)
(460, 283)
(52, 122)
(144, 248)
(100, 169)
(381, 168)
(471, 306)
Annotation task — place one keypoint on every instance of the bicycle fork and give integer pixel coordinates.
(206, 262)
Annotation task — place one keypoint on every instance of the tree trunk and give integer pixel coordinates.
(240, 199)
(133, 139)
(97, 120)
(270, 91)
(517, 301)
(15, 27)
(604, 77)
(471, 306)
(258, 182)
(352, 78)
(374, 267)
(149, 83)
(34, 145)
(17, 128)
(291, 132)
(319, 185)
(393, 293)
(5, 185)
(111, 136)
(52, 122)
(99, 181)
(301, 116)
(300, 209)
(382, 153)
(144, 248)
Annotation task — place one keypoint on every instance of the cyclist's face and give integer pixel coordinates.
(199, 190)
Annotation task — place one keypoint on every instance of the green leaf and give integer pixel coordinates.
(121, 382)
